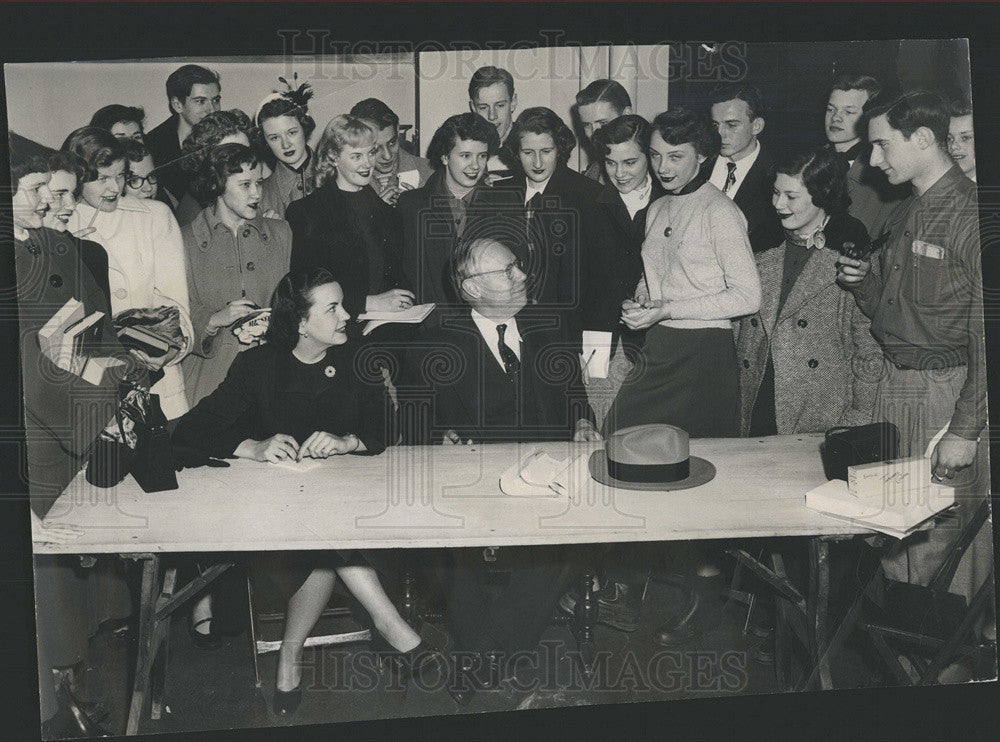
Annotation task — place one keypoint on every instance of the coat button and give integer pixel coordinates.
(753, 321)
(204, 244)
(889, 302)
(56, 280)
(896, 267)
(263, 236)
(246, 232)
(746, 363)
(299, 186)
(802, 323)
(250, 266)
(813, 363)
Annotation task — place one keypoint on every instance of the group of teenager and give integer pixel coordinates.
(741, 293)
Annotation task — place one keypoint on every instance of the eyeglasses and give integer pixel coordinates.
(136, 181)
(516, 265)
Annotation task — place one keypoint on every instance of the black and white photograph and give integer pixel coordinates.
(391, 379)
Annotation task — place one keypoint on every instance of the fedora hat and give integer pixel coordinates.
(649, 457)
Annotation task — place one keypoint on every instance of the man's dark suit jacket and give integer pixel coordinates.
(324, 233)
(429, 238)
(613, 262)
(451, 370)
(754, 200)
(551, 243)
(163, 144)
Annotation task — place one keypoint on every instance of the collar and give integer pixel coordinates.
(817, 239)
(639, 197)
(953, 178)
(488, 328)
(304, 167)
(214, 222)
(531, 188)
(744, 164)
(700, 179)
(854, 152)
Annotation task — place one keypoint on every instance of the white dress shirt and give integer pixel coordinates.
(488, 329)
(532, 188)
(638, 198)
(721, 171)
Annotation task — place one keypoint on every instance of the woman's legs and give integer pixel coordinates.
(304, 609)
(364, 584)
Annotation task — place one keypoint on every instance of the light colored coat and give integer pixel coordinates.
(826, 362)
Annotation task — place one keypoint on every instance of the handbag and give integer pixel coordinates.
(144, 449)
(861, 444)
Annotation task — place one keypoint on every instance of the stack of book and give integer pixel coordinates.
(894, 497)
(69, 340)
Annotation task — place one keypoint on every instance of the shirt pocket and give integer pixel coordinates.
(932, 279)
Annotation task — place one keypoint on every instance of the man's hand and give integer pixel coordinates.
(232, 312)
(637, 316)
(390, 194)
(851, 272)
(393, 300)
(585, 432)
(322, 445)
(952, 453)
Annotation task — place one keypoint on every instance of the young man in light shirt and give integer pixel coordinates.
(492, 96)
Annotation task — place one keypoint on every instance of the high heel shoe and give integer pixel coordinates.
(210, 640)
(286, 702)
(403, 666)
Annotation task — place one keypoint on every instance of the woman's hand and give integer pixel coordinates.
(393, 300)
(232, 312)
(585, 432)
(451, 438)
(637, 316)
(322, 445)
(278, 447)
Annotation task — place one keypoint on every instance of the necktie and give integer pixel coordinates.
(534, 205)
(510, 362)
(730, 177)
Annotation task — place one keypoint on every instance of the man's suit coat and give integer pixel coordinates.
(449, 369)
(324, 233)
(163, 144)
(550, 242)
(754, 200)
(826, 362)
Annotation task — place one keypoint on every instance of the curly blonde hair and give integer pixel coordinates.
(342, 131)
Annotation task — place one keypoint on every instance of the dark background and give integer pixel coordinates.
(81, 31)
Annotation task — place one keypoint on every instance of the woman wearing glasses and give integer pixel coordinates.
(143, 243)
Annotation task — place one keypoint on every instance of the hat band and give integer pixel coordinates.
(650, 472)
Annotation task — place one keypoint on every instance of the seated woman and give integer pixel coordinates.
(808, 361)
(298, 396)
(282, 138)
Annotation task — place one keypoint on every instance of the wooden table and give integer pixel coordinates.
(445, 496)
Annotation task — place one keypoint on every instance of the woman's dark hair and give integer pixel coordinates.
(220, 162)
(69, 163)
(135, 151)
(105, 118)
(540, 120)
(628, 128)
(824, 176)
(210, 131)
(21, 166)
(97, 148)
(680, 126)
(462, 126)
(290, 304)
(275, 109)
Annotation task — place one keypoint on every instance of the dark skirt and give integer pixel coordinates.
(686, 378)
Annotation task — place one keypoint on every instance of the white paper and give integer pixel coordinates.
(596, 357)
(409, 178)
(299, 466)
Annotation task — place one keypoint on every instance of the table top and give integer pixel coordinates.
(446, 496)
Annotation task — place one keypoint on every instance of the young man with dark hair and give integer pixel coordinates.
(872, 196)
(434, 216)
(396, 170)
(125, 122)
(193, 92)
(597, 104)
(925, 303)
(743, 168)
(492, 96)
